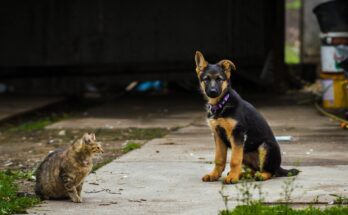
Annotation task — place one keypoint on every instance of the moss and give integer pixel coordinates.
(130, 146)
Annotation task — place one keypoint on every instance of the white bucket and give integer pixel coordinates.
(334, 50)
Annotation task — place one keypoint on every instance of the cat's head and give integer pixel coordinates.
(90, 143)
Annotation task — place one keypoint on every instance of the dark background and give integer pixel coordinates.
(120, 41)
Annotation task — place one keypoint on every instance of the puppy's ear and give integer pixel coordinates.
(201, 63)
(227, 65)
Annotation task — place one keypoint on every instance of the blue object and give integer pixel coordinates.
(149, 85)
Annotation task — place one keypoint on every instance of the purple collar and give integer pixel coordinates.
(213, 109)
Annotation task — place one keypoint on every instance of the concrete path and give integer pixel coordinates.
(164, 176)
(14, 105)
(138, 112)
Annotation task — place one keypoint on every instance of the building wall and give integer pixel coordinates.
(135, 34)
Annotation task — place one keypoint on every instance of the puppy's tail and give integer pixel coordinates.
(286, 172)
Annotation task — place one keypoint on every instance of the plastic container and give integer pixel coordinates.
(332, 16)
(334, 52)
(334, 90)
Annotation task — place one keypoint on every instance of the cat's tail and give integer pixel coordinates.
(286, 172)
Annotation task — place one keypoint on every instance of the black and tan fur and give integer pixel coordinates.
(238, 126)
(62, 173)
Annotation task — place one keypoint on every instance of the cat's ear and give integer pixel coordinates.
(86, 138)
(92, 137)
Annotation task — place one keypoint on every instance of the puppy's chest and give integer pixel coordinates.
(227, 124)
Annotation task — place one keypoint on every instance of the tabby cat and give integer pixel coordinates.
(62, 173)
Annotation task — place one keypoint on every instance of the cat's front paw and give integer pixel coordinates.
(77, 199)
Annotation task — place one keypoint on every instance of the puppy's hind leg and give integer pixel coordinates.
(269, 159)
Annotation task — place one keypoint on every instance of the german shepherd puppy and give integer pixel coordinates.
(236, 124)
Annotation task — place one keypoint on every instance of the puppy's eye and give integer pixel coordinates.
(206, 79)
(219, 79)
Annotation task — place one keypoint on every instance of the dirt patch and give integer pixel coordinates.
(25, 149)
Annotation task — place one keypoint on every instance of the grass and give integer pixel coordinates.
(293, 5)
(10, 203)
(261, 209)
(102, 163)
(139, 133)
(130, 146)
(292, 55)
(250, 206)
(37, 124)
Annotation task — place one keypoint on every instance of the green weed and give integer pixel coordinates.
(130, 146)
(38, 124)
(10, 203)
(292, 55)
(293, 5)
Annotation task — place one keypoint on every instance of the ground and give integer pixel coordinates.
(164, 176)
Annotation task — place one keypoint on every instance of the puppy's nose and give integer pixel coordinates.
(213, 93)
(213, 90)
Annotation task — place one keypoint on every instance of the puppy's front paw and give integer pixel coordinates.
(230, 179)
(210, 177)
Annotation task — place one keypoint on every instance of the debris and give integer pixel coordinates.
(93, 183)
(140, 200)
(8, 163)
(109, 126)
(170, 143)
(157, 151)
(104, 204)
(62, 133)
(131, 86)
(285, 138)
(102, 190)
(51, 141)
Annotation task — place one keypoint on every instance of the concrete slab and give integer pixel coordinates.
(143, 183)
(164, 176)
(11, 106)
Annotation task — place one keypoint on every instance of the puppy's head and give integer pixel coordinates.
(214, 78)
